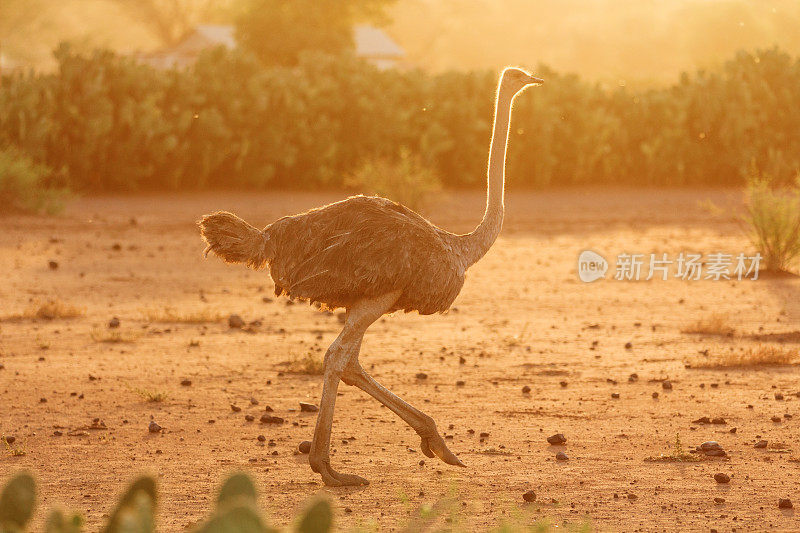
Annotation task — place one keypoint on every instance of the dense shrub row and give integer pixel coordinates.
(103, 122)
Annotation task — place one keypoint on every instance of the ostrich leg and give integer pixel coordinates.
(431, 443)
(346, 345)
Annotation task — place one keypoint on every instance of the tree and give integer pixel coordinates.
(278, 31)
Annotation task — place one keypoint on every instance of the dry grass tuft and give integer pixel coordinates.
(761, 355)
(677, 455)
(716, 324)
(152, 396)
(307, 364)
(113, 336)
(170, 314)
(49, 310)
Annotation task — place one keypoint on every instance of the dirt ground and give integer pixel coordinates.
(522, 319)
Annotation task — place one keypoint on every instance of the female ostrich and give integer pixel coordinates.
(370, 256)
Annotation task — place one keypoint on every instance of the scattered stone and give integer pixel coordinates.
(722, 478)
(666, 385)
(186, 382)
(53, 265)
(563, 383)
(561, 456)
(269, 419)
(529, 496)
(702, 420)
(633, 377)
(235, 408)
(253, 401)
(785, 503)
(421, 375)
(153, 427)
(719, 500)
(305, 446)
(710, 446)
(525, 390)
(113, 323)
(615, 395)
(778, 396)
(628, 345)
(558, 438)
(308, 407)
(460, 383)
(10, 439)
(776, 418)
(760, 444)
(655, 395)
(261, 438)
(249, 418)
(632, 497)
(718, 420)
(116, 247)
(235, 322)
(484, 435)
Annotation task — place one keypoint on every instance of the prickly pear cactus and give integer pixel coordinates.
(317, 518)
(236, 510)
(17, 502)
(58, 523)
(135, 510)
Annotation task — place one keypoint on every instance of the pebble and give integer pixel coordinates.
(249, 418)
(760, 444)
(235, 322)
(558, 438)
(525, 390)
(785, 503)
(722, 478)
(529, 496)
(11, 439)
(305, 446)
(778, 396)
(561, 456)
(776, 418)
(308, 407)
(666, 385)
(460, 383)
(261, 438)
(421, 375)
(719, 500)
(655, 395)
(53, 265)
(235, 408)
(628, 345)
(113, 323)
(615, 395)
(153, 427)
(186, 382)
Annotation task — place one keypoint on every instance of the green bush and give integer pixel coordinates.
(24, 184)
(108, 123)
(774, 223)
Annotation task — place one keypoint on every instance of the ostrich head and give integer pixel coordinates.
(516, 79)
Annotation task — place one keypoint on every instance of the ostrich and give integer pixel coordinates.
(371, 256)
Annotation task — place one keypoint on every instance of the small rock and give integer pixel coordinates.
(778, 396)
(308, 407)
(760, 444)
(186, 382)
(722, 478)
(785, 503)
(563, 383)
(718, 420)
(666, 385)
(113, 323)
(632, 497)
(235, 322)
(11, 439)
(633, 377)
(561, 456)
(776, 418)
(558, 438)
(529, 496)
(710, 445)
(153, 427)
(719, 500)
(261, 438)
(460, 383)
(628, 345)
(305, 446)
(525, 390)
(235, 408)
(702, 420)
(269, 419)
(253, 401)
(615, 395)
(53, 265)
(655, 395)
(421, 375)
(249, 418)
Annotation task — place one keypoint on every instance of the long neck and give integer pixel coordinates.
(476, 244)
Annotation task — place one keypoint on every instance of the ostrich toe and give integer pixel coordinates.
(434, 446)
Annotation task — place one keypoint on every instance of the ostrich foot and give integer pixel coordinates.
(332, 478)
(434, 446)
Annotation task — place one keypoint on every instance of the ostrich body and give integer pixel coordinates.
(370, 256)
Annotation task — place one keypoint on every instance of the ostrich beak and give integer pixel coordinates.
(535, 81)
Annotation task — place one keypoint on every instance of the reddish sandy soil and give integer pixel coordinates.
(523, 318)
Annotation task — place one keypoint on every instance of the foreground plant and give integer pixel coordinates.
(235, 510)
(773, 216)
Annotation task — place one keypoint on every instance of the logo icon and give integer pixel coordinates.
(591, 266)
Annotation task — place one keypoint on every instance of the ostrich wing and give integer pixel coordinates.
(364, 247)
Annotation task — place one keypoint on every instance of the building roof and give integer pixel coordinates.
(373, 42)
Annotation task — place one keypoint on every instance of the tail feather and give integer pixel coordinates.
(233, 240)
